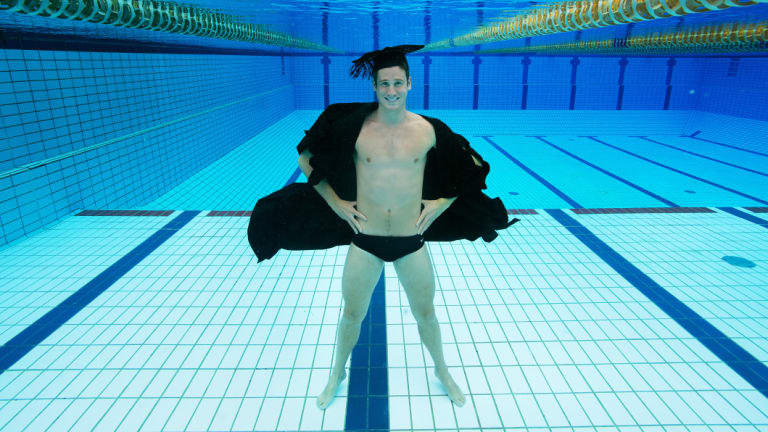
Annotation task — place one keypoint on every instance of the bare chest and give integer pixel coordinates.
(386, 148)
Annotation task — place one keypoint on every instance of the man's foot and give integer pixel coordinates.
(454, 392)
(328, 394)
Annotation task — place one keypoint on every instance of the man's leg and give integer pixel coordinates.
(361, 272)
(418, 280)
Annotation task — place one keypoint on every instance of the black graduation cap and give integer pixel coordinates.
(375, 60)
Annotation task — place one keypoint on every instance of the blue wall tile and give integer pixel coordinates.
(108, 95)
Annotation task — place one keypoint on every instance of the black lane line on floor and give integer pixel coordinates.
(368, 395)
(30, 337)
(608, 173)
(533, 174)
(736, 357)
(722, 162)
(746, 216)
(293, 178)
(723, 144)
(711, 183)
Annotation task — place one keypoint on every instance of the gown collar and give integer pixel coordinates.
(352, 124)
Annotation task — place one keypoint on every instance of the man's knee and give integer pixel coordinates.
(354, 314)
(424, 315)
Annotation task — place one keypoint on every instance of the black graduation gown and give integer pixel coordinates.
(296, 217)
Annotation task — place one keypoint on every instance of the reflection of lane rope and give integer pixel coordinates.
(732, 37)
(159, 16)
(585, 14)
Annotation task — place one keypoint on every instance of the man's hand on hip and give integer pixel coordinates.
(347, 211)
(432, 210)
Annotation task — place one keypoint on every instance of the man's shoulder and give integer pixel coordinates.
(422, 123)
(434, 121)
(438, 126)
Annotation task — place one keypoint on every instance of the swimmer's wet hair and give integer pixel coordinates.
(369, 63)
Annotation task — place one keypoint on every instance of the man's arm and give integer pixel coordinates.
(323, 188)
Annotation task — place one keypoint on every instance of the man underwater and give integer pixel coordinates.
(383, 181)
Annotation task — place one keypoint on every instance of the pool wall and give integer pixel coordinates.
(151, 120)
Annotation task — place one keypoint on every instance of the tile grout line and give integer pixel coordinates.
(732, 354)
(30, 337)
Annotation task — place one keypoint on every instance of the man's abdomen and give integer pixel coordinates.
(388, 215)
(390, 197)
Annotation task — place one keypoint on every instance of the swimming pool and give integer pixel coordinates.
(630, 296)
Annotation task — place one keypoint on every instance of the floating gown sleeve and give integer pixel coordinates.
(467, 174)
(461, 174)
(473, 214)
(295, 217)
(319, 141)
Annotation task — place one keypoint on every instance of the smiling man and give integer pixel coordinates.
(382, 180)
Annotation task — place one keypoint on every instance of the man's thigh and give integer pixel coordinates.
(418, 279)
(361, 272)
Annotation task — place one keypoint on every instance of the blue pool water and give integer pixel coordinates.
(631, 296)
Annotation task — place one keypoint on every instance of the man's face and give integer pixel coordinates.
(392, 87)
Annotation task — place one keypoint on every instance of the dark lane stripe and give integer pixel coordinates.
(745, 216)
(25, 341)
(426, 60)
(622, 69)
(679, 171)
(293, 178)
(477, 61)
(541, 180)
(368, 397)
(526, 62)
(606, 172)
(326, 60)
(574, 67)
(724, 145)
(736, 357)
(668, 95)
(700, 155)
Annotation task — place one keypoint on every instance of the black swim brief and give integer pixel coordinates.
(388, 248)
